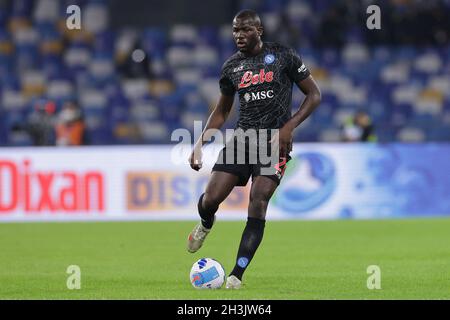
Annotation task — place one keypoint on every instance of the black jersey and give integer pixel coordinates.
(264, 83)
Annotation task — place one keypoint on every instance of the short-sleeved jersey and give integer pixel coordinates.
(264, 83)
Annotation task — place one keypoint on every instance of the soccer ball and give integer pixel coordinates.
(207, 273)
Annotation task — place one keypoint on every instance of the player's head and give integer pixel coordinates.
(247, 30)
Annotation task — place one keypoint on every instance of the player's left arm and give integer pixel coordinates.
(312, 99)
(299, 74)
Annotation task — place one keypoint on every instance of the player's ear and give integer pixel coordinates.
(260, 31)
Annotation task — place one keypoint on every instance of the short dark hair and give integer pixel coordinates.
(248, 14)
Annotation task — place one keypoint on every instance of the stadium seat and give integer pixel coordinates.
(402, 86)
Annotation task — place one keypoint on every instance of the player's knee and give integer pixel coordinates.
(259, 197)
(210, 202)
(258, 206)
(257, 212)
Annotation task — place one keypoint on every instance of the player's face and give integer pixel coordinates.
(246, 34)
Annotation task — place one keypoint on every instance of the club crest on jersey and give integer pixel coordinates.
(269, 58)
(249, 78)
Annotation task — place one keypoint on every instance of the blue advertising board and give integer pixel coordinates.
(365, 181)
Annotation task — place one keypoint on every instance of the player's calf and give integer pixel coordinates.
(206, 210)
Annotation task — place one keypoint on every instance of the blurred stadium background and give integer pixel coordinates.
(137, 70)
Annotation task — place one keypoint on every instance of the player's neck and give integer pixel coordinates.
(256, 49)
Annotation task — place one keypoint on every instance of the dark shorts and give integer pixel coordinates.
(250, 167)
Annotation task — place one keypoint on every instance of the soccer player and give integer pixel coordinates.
(263, 75)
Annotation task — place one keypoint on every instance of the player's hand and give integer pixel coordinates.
(283, 138)
(195, 159)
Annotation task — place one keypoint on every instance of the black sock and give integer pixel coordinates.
(251, 238)
(207, 214)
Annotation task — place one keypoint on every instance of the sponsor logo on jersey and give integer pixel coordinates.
(249, 79)
(260, 95)
(269, 58)
(302, 68)
(240, 68)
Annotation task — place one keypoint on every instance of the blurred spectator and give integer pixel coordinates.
(332, 28)
(358, 128)
(40, 124)
(70, 126)
(286, 32)
(136, 63)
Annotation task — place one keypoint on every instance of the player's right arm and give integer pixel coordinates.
(215, 121)
(218, 116)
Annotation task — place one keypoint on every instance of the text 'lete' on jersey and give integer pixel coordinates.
(264, 83)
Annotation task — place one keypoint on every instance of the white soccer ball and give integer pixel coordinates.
(207, 273)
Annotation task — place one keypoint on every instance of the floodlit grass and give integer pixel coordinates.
(296, 260)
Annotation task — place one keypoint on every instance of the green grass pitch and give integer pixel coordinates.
(297, 260)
